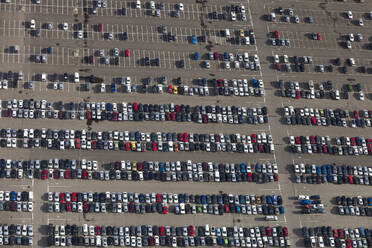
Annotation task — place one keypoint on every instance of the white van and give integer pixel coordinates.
(207, 230)
(85, 230)
(246, 57)
(271, 217)
(43, 77)
(227, 33)
(76, 77)
(30, 196)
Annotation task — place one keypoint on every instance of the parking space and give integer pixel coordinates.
(218, 63)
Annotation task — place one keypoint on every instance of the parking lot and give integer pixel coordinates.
(176, 47)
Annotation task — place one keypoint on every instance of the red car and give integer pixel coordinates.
(298, 94)
(165, 210)
(276, 34)
(127, 54)
(85, 207)
(84, 174)
(173, 116)
(43, 174)
(216, 56)
(226, 208)
(249, 175)
(350, 179)
(170, 89)
(100, 27)
(154, 146)
(158, 198)
(68, 206)
(277, 66)
(191, 230)
(313, 120)
(185, 137)
(127, 146)
(61, 197)
(276, 177)
(268, 231)
(318, 36)
(77, 143)
(254, 138)
(356, 114)
(73, 197)
(97, 229)
(56, 174)
(341, 233)
(285, 230)
(162, 231)
(135, 106)
(67, 174)
(335, 233)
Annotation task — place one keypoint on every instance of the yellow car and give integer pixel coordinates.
(175, 90)
(242, 33)
(133, 146)
(134, 166)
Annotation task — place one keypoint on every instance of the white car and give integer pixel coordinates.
(76, 77)
(236, 64)
(361, 22)
(32, 24)
(351, 37)
(276, 58)
(152, 4)
(361, 95)
(180, 6)
(65, 26)
(138, 4)
(233, 16)
(349, 14)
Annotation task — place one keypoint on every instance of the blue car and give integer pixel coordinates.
(237, 209)
(196, 57)
(243, 168)
(108, 106)
(13, 195)
(113, 88)
(180, 198)
(305, 202)
(255, 82)
(161, 167)
(194, 40)
(226, 56)
(203, 199)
